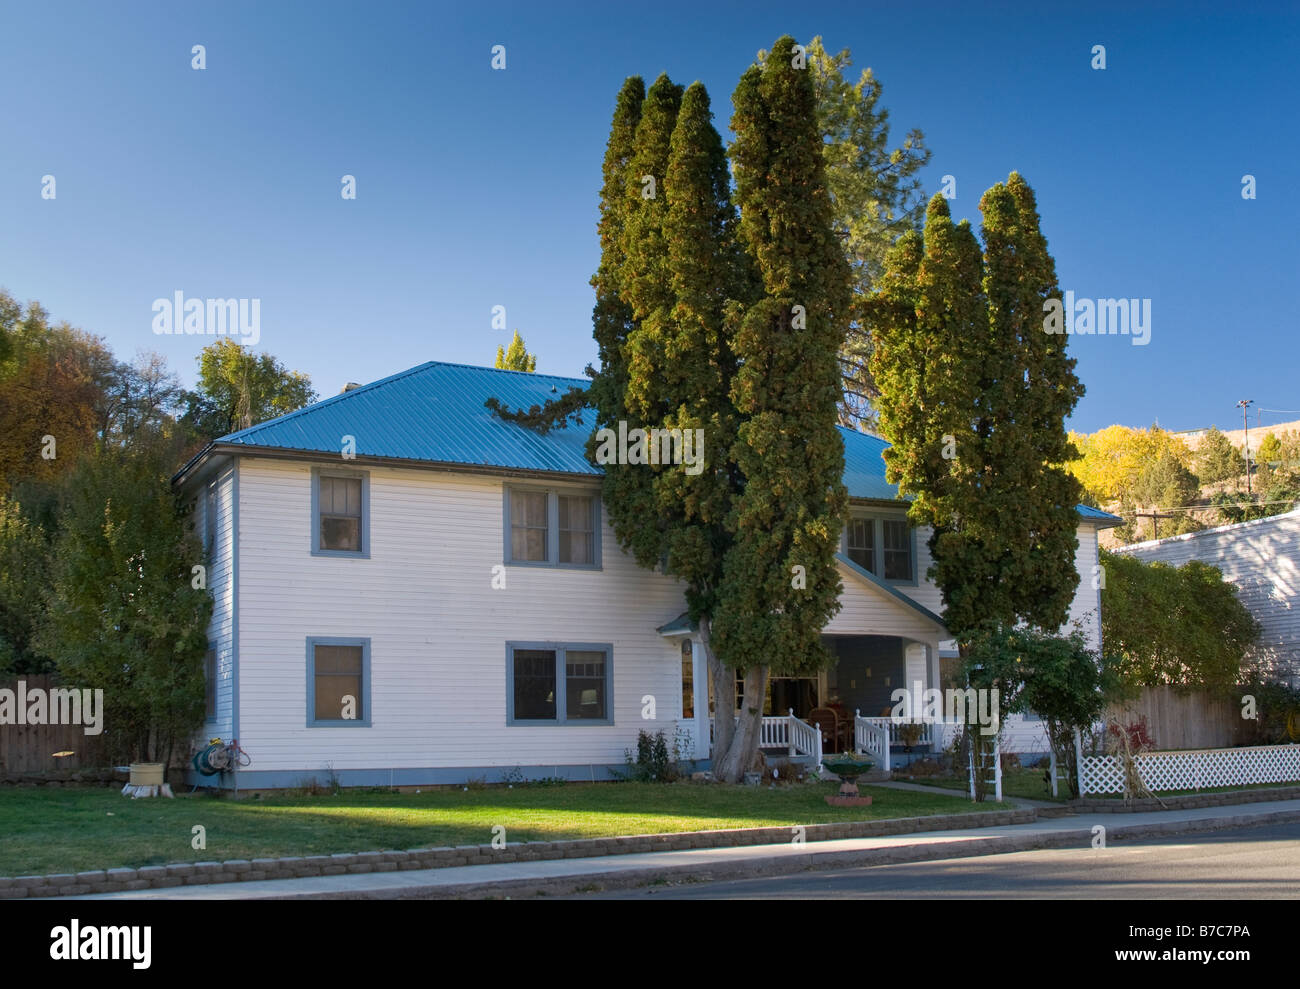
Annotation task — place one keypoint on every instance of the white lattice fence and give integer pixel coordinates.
(1194, 770)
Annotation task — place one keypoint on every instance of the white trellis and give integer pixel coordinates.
(993, 767)
(1196, 769)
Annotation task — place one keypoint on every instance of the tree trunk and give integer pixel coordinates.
(724, 696)
(731, 764)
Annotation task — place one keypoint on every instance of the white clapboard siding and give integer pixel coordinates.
(437, 628)
(1262, 560)
(868, 610)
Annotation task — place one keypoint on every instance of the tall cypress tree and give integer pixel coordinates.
(975, 395)
(638, 267)
(611, 316)
(780, 584)
(1030, 389)
(974, 399)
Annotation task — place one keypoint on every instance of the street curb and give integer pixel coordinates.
(301, 867)
(812, 860)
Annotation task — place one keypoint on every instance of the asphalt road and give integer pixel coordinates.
(1243, 863)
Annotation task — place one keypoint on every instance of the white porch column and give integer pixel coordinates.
(700, 672)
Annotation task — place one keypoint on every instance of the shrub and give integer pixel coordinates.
(653, 763)
(783, 772)
(1277, 714)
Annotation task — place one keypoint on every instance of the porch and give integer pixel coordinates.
(888, 742)
(882, 641)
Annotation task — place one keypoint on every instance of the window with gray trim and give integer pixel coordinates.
(577, 529)
(338, 681)
(340, 513)
(558, 683)
(882, 545)
(551, 527)
(528, 530)
(897, 545)
(340, 501)
(862, 543)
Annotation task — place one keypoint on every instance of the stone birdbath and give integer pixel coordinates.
(848, 770)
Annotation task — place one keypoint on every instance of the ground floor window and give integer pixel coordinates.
(688, 680)
(559, 683)
(338, 682)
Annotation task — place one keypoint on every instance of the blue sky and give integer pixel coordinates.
(478, 188)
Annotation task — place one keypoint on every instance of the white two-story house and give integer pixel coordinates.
(410, 590)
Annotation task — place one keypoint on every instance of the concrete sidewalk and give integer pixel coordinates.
(563, 876)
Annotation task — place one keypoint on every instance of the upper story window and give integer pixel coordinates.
(861, 538)
(882, 545)
(552, 528)
(340, 512)
(897, 546)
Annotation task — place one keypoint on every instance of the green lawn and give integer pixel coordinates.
(70, 830)
(1027, 783)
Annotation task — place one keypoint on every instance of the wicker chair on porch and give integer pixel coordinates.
(836, 732)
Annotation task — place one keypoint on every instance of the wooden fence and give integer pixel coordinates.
(32, 748)
(1185, 720)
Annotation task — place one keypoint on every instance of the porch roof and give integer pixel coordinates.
(867, 577)
(682, 624)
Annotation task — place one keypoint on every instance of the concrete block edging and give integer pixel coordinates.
(298, 867)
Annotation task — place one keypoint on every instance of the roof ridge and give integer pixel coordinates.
(508, 370)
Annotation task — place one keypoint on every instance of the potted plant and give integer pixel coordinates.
(909, 734)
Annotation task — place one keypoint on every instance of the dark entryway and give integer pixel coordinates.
(870, 669)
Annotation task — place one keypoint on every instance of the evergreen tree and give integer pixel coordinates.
(975, 397)
(1166, 483)
(780, 584)
(612, 319)
(875, 193)
(1217, 459)
(637, 275)
(517, 358)
(1032, 391)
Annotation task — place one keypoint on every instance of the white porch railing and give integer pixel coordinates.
(872, 738)
(929, 734)
(787, 732)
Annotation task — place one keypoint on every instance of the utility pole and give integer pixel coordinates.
(1245, 405)
(1155, 518)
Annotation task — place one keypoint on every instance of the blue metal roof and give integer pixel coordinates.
(864, 466)
(434, 412)
(1098, 515)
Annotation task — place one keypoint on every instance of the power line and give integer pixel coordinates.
(1205, 508)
